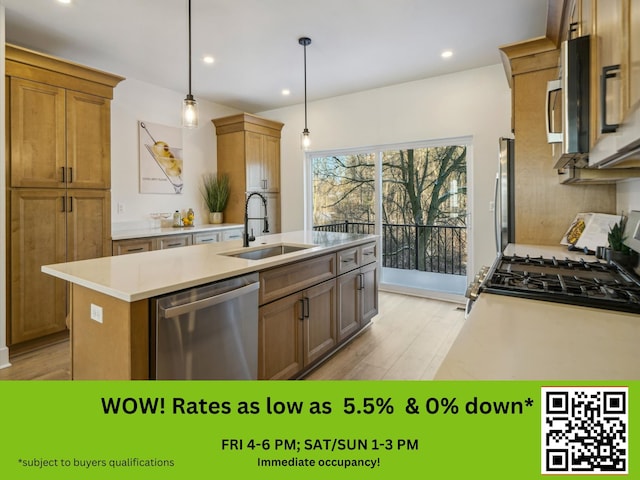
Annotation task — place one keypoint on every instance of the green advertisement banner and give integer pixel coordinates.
(315, 430)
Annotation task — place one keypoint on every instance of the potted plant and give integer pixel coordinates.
(618, 251)
(215, 191)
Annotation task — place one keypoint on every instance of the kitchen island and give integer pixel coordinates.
(509, 338)
(111, 327)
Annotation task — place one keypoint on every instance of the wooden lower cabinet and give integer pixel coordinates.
(357, 300)
(348, 304)
(134, 245)
(50, 226)
(174, 241)
(146, 244)
(37, 302)
(296, 331)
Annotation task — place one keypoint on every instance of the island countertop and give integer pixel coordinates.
(143, 275)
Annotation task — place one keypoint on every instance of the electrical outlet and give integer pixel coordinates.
(96, 313)
(120, 207)
(492, 206)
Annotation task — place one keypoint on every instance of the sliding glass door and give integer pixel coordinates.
(415, 197)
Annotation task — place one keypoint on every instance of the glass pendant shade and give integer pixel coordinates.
(305, 139)
(189, 112)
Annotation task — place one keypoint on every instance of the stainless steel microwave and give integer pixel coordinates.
(567, 104)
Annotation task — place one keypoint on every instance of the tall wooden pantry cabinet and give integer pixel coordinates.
(249, 152)
(58, 121)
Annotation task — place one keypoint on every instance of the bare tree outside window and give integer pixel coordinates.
(423, 204)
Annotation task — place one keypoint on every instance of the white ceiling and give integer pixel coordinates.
(356, 44)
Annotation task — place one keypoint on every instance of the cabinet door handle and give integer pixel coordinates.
(64, 203)
(361, 277)
(64, 176)
(607, 73)
(264, 184)
(306, 307)
(301, 317)
(552, 137)
(70, 175)
(70, 204)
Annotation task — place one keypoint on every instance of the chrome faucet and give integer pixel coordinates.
(246, 238)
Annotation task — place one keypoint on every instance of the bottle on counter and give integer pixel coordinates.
(177, 221)
(187, 220)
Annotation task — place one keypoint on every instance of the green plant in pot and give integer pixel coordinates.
(215, 191)
(619, 252)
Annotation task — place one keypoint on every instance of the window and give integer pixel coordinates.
(415, 196)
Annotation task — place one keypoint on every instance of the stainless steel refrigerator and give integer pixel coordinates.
(504, 196)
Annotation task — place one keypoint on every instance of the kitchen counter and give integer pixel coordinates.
(112, 318)
(509, 338)
(143, 232)
(148, 274)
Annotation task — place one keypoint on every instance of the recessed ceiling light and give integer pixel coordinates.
(66, 2)
(446, 54)
(286, 91)
(207, 59)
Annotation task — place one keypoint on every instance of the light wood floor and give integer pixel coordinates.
(406, 341)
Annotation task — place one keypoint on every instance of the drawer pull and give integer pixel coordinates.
(137, 249)
(174, 244)
(348, 260)
(205, 240)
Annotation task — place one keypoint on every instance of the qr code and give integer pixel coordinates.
(585, 430)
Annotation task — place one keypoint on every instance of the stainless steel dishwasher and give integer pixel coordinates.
(208, 332)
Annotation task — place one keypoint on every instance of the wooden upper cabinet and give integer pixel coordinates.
(634, 54)
(59, 138)
(608, 69)
(59, 122)
(88, 141)
(262, 162)
(248, 150)
(37, 134)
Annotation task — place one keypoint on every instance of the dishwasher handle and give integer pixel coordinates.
(209, 301)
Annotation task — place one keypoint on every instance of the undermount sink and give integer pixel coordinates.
(267, 251)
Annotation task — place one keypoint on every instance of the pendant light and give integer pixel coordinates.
(189, 105)
(305, 140)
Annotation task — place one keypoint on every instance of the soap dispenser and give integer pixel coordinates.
(177, 222)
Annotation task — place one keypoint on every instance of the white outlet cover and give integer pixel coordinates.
(96, 313)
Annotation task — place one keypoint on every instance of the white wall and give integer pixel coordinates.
(134, 101)
(628, 196)
(471, 103)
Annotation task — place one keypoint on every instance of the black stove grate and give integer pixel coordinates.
(591, 284)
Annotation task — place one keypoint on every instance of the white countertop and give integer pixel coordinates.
(509, 338)
(142, 232)
(147, 274)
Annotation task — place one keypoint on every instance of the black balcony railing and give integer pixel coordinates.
(427, 248)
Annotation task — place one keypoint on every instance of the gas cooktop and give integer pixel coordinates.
(591, 284)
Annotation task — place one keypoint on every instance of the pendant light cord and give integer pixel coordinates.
(189, 28)
(305, 85)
